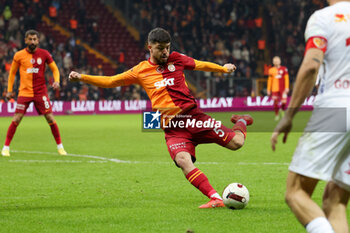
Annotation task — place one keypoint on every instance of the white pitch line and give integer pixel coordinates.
(263, 163)
(51, 161)
(115, 160)
(76, 155)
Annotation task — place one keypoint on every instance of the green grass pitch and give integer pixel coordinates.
(120, 179)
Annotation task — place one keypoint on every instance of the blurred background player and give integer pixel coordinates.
(164, 81)
(31, 62)
(278, 86)
(323, 152)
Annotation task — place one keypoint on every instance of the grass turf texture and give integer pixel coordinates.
(45, 192)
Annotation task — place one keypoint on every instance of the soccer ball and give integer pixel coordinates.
(235, 196)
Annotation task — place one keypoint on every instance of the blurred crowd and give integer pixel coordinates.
(220, 31)
(286, 22)
(68, 56)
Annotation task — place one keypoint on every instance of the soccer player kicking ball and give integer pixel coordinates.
(162, 76)
(323, 152)
(278, 86)
(31, 63)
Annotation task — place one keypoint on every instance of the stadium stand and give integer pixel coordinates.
(96, 38)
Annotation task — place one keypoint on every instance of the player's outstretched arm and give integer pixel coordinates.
(122, 79)
(56, 75)
(212, 67)
(11, 79)
(305, 81)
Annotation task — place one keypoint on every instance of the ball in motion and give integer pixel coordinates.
(235, 196)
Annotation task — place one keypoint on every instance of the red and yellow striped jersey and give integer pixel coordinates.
(32, 72)
(278, 79)
(165, 84)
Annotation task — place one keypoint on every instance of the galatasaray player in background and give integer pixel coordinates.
(323, 152)
(162, 76)
(31, 63)
(278, 86)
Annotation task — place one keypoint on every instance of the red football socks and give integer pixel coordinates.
(55, 132)
(10, 132)
(275, 105)
(200, 181)
(240, 126)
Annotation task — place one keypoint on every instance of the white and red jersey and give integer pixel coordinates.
(328, 29)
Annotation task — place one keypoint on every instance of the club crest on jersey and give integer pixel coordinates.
(32, 60)
(39, 61)
(160, 69)
(319, 42)
(171, 67)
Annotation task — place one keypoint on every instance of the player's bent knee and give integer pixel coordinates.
(290, 198)
(49, 118)
(183, 159)
(236, 142)
(17, 118)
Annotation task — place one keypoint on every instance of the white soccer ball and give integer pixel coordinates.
(235, 196)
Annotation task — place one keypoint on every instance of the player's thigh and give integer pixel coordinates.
(180, 144)
(334, 194)
(22, 105)
(276, 96)
(297, 182)
(284, 97)
(218, 134)
(42, 104)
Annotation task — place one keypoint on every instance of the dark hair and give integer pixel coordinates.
(31, 32)
(159, 35)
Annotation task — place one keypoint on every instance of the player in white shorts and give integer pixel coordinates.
(323, 152)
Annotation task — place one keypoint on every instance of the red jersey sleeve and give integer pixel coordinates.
(49, 58)
(188, 62)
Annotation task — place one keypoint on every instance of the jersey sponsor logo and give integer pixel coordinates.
(165, 82)
(39, 61)
(32, 70)
(160, 69)
(342, 84)
(171, 67)
(320, 42)
(340, 18)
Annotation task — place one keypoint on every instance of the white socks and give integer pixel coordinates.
(319, 225)
(242, 120)
(216, 195)
(6, 148)
(59, 146)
